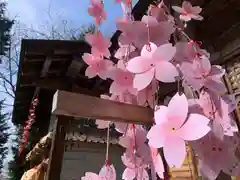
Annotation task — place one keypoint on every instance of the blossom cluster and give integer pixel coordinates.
(156, 49)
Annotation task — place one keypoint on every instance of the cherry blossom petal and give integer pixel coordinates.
(116, 89)
(208, 172)
(187, 6)
(178, 9)
(149, 20)
(217, 71)
(148, 50)
(128, 174)
(88, 59)
(120, 127)
(104, 96)
(108, 172)
(156, 136)
(142, 174)
(197, 17)
(205, 65)
(158, 164)
(141, 81)
(103, 75)
(196, 10)
(165, 52)
(102, 124)
(217, 130)
(185, 17)
(139, 64)
(174, 151)
(215, 85)
(178, 109)
(142, 97)
(151, 100)
(90, 38)
(166, 72)
(232, 166)
(161, 114)
(90, 176)
(124, 141)
(90, 72)
(195, 128)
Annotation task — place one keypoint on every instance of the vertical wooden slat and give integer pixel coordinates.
(57, 148)
(230, 90)
(194, 164)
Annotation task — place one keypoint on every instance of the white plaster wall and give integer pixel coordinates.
(75, 164)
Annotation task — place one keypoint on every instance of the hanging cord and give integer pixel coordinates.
(107, 148)
(135, 149)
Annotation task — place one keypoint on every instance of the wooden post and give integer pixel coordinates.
(57, 148)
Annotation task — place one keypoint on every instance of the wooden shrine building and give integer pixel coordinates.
(54, 70)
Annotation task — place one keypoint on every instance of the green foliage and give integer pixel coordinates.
(5, 29)
(15, 166)
(4, 135)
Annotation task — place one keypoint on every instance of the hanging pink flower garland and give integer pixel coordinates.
(147, 57)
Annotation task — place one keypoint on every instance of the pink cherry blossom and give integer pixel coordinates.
(216, 155)
(232, 100)
(156, 32)
(185, 52)
(200, 73)
(99, 44)
(134, 140)
(171, 129)
(159, 13)
(128, 3)
(135, 168)
(90, 176)
(216, 109)
(128, 28)
(125, 52)
(97, 11)
(96, 66)
(106, 173)
(189, 51)
(146, 57)
(153, 62)
(123, 81)
(188, 12)
(157, 163)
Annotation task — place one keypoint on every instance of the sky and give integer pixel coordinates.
(35, 13)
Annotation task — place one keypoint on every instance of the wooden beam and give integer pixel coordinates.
(223, 15)
(79, 105)
(57, 149)
(74, 68)
(61, 84)
(230, 50)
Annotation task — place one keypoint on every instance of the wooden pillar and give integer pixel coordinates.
(237, 178)
(57, 148)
